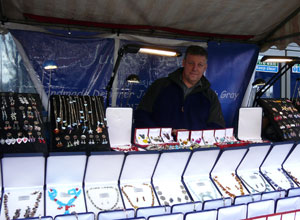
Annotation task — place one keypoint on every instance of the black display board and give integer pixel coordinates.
(78, 123)
(21, 126)
(284, 118)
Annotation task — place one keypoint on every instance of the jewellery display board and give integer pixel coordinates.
(135, 180)
(64, 179)
(118, 214)
(78, 123)
(224, 173)
(248, 170)
(167, 178)
(249, 124)
(197, 175)
(23, 195)
(101, 185)
(272, 170)
(22, 129)
(292, 163)
(283, 116)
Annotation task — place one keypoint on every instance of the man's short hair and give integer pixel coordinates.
(196, 50)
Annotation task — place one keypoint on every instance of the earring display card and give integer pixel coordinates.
(230, 136)
(220, 135)
(208, 137)
(22, 203)
(141, 137)
(284, 118)
(183, 137)
(279, 179)
(78, 123)
(196, 138)
(166, 134)
(172, 192)
(154, 134)
(22, 126)
(255, 182)
(137, 195)
(202, 189)
(103, 198)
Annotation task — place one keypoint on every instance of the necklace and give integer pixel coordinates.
(104, 195)
(57, 119)
(226, 188)
(53, 194)
(293, 177)
(253, 189)
(102, 116)
(28, 212)
(137, 199)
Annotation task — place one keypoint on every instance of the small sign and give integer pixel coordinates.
(296, 68)
(267, 67)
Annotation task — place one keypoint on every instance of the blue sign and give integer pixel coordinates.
(267, 68)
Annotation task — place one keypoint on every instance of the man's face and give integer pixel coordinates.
(194, 68)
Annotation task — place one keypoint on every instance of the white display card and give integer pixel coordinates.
(23, 181)
(224, 175)
(64, 177)
(209, 137)
(75, 216)
(197, 178)
(203, 215)
(294, 192)
(248, 170)
(271, 167)
(288, 204)
(273, 195)
(101, 185)
(229, 135)
(158, 210)
(292, 164)
(220, 135)
(118, 214)
(183, 137)
(154, 135)
(246, 199)
(259, 208)
(187, 207)
(174, 216)
(166, 134)
(135, 180)
(232, 212)
(217, 203)
(167, 178)
(141, 136)
(196, 137)
(249, 124)
(119, 123)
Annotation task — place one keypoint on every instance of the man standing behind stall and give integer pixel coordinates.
(184, 99)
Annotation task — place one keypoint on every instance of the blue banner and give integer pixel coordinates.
(230, 67)
(84, 64)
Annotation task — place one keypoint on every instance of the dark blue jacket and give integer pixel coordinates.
(164, 105)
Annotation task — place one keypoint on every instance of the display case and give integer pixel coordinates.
(22, 128)
(167, 178)
(78, 123)
(197, 175)
(292, 163)
(64, 183)
(148, 211)
(101, 189)
(23, 182)
(119, 214)
(135, 180)
(272, 170)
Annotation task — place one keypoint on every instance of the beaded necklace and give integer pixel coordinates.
(264, 184)
(226, 188)
(137, 200)
(103, 188)
(53, 194)
(28, 212)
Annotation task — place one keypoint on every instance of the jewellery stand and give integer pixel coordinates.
(224, 173)
(197, 175)
(21, 122)
(118, 214)
(148, 211)
(271, 168)
(248, 170)
(135, 180)
(101, 189)
(23, 181)
(75, 216)
(167, 178)
(64, 178)
(291, 165)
